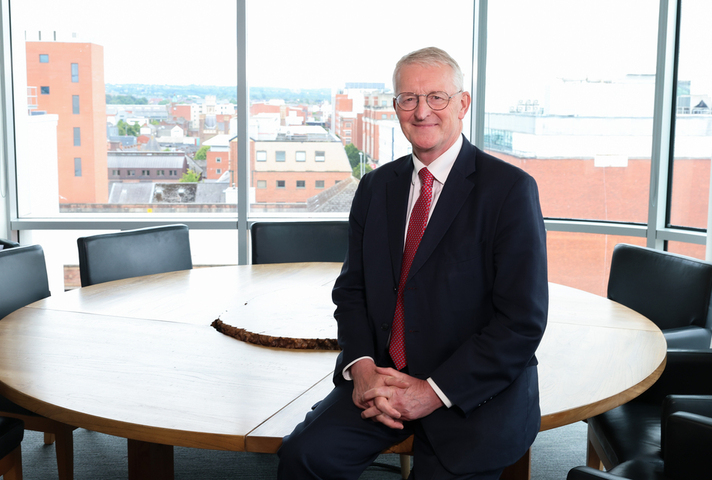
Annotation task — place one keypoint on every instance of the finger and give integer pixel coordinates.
(396, 382)
(384, 406)
(391, 372)
(371, 412)
(389, 422)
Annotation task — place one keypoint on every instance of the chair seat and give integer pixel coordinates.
(628, 432)
(11, 433)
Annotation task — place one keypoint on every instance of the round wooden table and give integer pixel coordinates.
(138, 358)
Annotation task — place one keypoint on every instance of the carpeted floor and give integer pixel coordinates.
(102, 457)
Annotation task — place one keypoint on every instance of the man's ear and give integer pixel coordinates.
(464, 105)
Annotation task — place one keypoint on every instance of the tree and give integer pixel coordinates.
(352, 153)
(202, 152)
(126, 129)
(357, 170)
(190, 177)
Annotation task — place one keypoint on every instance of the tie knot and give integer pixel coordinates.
(426, 178)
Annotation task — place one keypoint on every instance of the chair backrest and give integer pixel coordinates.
(671, 290)
(23, 276)
(7, 244)
(290, 242)
(133, 253)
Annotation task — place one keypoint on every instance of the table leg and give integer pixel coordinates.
(150, 461)
(521, 470)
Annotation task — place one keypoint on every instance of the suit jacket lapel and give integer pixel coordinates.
(397, 191)
(455, 192)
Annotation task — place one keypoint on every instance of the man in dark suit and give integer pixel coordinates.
(441, 303)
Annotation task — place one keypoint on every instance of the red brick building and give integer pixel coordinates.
(69, 78)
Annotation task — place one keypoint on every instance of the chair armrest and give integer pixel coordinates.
(588, 473)
(688, 437)
(688, 372)
(697, 404)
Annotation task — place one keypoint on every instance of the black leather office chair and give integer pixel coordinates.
(673, 291)
(11, 433)
(686, 435)
(289, 242)
(631, 434)
(23, 276)
(7, 244)
(133, 253)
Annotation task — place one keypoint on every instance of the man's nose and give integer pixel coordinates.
(423, 109)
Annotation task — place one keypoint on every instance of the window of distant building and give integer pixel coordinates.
(280, 156)
(44, 58)
(218, 171)
(281, 183)
(301, 184)
(160, 173)
(218, 160)
(75, 104)
(384, 116)
(347, 124)
(319, 156)
(44, 90)
(145, 173)
(75, 73)
(319, 184)
(261, 156)
(301, 156)
(116, 173)
(77, 137)
(77, 167)
(131, 173)
(172, 173)
(261, 183)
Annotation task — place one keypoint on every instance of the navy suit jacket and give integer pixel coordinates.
(475, 301)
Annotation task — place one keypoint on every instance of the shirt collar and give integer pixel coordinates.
(441, 166)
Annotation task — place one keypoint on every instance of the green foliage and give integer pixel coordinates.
(125, 100)
(190, 177)
(126, 129)
(202, 153)
(357, 170)
(352, 153)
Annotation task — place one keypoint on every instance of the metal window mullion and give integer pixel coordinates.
(479, 69)
(662, 122)
(243, 142)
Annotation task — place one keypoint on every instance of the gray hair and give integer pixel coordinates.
(430, 57)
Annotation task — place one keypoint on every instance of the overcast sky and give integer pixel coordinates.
(324, 43)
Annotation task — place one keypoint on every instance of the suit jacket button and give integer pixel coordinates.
(385, 327)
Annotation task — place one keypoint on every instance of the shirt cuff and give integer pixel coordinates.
(440, 393)
(346, 372)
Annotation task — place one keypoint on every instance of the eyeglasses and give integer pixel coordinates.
(436, 100)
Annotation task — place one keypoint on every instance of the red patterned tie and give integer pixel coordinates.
(416, 227)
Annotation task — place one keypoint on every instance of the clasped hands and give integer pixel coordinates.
(390, 397)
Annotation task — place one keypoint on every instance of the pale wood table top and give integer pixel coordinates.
(137, 358)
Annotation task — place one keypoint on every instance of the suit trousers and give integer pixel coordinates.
(334, 442)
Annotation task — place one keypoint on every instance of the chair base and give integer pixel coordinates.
(11, 465)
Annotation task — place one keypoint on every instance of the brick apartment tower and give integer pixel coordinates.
(69, 78)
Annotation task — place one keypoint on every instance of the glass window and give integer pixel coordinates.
(296, 112)
(319, 184)
(692, 144)
(160, 173)
(116, 173)
(218, 159)
(145, 173)
(280, 156)
(77, 167)
(131, 173)
(44, 90)
(261, 183)
(75, 73)
(568, 111)
(261, 156)
(77, 136)
(218, 171)
(44, 58)
(281, 183)
(75, 104)
(301, 184)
